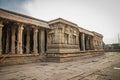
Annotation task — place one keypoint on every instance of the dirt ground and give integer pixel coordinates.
(104, 67)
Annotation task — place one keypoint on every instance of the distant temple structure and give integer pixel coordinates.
(26, 39)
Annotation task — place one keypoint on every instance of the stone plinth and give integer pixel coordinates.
(19, 59)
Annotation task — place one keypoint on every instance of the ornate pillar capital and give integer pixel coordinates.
(35, 29)
(1, 24)
(21, 26)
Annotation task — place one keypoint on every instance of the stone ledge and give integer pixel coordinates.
(17, 55)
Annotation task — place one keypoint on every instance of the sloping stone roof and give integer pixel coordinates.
(86, 31)
(63, 21)
(22, 18)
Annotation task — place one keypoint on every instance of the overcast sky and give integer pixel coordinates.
(102, 16)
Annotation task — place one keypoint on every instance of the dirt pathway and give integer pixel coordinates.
(92, 68)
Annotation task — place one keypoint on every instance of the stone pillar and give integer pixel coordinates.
(77, 40)
(13, 41)
(42, 41)
(1, 25)
(91, 43)
(101, 44)
(28, 41)
(94, 43)
(87, 43)
(62, 36)
(35, 46)
(69, 40)
(39, 41)
(19, 42)
(7, 40)
(56, 36)
(83, 41)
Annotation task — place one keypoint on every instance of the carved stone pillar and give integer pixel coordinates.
(101, 44)
(1, 25)
(28, 41)
(13, 40)
(42, 41)
(7, 40)
(77, 41)
(56, 36)
(91, 43)
(83, 41)
(35, 46)
(62, 36)
(87, 43)
(69, 39)
(19, 42)
(94, 43)
(39, 41)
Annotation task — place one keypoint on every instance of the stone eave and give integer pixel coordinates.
(98, 34)
(63, 21)
(10, 15)
(85, 31)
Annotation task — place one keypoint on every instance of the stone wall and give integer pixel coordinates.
(63, 38)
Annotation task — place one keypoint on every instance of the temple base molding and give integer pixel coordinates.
(63, 57)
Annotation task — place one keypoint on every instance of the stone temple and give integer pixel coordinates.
(25, 39)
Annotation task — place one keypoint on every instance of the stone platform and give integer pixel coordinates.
(63, 57)
(19, 59)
